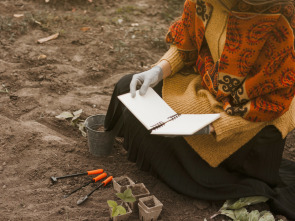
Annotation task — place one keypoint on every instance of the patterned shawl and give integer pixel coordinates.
(255, 75)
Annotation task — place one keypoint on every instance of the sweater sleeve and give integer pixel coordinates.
(182, 35)
(174, 59)
(226, 126)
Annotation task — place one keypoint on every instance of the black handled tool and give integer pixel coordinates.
(103, 183)
(92, 172)
(101, 176)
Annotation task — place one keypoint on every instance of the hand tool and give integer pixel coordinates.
(101, 176)
(92, 172)
(103, 183)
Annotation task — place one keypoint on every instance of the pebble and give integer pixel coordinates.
(4, 186)
(1, 168)
(62, 210)
(70, 150)
(280, 217)
(187, 213)
(4, 163)
(42, 56)
(201, 204)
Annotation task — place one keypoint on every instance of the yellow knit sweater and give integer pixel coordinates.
(184, 94)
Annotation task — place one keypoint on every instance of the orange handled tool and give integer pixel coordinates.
(91, 172)
(103, 183)
(94, 180)
(101, 176)
(107, 180)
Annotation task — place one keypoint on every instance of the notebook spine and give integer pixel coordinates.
(161, 123)
(157, 125)
(173, 117)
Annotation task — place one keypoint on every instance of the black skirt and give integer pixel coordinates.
(256, 169)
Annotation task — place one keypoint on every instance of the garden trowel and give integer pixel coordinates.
(103, 183)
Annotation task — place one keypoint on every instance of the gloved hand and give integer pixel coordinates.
(146, 79)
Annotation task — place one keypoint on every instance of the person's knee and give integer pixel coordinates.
(123, 84)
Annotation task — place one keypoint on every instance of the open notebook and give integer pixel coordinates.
(156, 115)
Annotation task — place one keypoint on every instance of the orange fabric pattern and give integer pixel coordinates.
(255, 75)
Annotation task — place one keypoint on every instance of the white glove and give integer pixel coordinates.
(146, 79)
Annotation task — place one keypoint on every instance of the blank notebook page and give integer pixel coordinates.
(186, 124)
(148, 109)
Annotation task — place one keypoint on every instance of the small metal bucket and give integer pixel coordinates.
(100, 142)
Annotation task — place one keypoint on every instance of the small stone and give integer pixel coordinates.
(4, 186)
(1, 168)
(70, 150)
(41, 77)
(94, 105)
(201, 204)
(42, 56)
(62, 211)
(13, 97)
(4, 163)
(280, 217)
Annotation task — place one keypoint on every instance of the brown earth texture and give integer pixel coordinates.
(99, 42)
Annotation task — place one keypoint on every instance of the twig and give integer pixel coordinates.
(51, 37)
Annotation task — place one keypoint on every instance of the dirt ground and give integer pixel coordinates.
(99, 42)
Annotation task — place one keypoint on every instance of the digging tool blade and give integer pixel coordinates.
(53, 179)
(82, 200)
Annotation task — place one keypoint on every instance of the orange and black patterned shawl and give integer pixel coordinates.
(255, 75)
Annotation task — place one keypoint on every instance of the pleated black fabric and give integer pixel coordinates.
(256, 169)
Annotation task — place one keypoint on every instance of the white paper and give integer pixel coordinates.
(148, 109)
